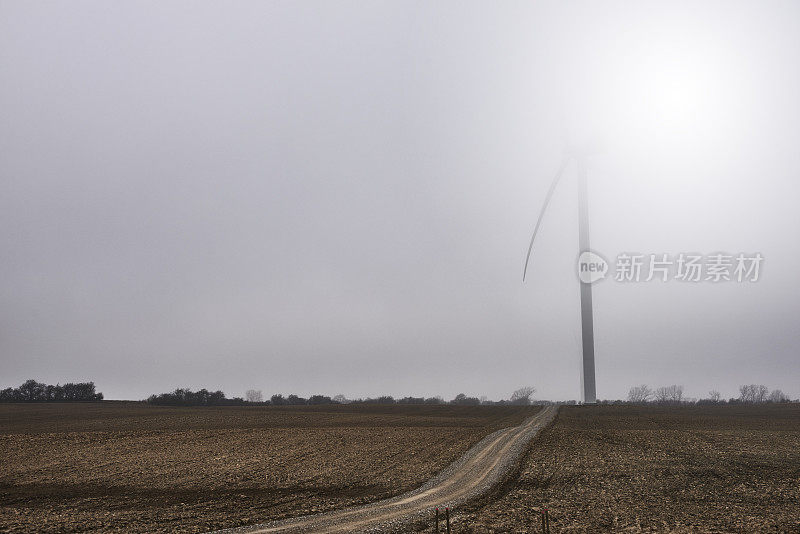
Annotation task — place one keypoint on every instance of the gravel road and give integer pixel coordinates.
(482, 467)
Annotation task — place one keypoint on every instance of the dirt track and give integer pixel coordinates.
(480, 469)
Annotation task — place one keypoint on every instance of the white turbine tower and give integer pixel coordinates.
(587, 320)
(642, 97)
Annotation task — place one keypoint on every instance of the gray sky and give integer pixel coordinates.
(337, 197)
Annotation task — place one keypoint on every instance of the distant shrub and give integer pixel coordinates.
(411, 400)
(33, 391)
(320, 399)
(384, 399)
(462, 400)
(707, 402)
(294, 400)
(187, 397)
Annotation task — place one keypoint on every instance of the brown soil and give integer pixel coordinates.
(475, 474)
(131, 467)
(656, 469)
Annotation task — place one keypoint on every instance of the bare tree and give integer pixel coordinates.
(523, 395)
(640, 394)
(676, 394)
(341, 399)
(714, 395)
(777, 396)
(744, 394)
(748, 393)
(753, 393)
(673, 394)
(253, 395)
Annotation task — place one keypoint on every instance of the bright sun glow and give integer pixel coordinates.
(645, 93)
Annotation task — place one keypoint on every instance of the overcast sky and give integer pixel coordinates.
(337, 197)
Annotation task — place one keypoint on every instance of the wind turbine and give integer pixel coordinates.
(587, 319)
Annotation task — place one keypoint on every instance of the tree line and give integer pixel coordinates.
(187, 397)
(33, 391)
(748, 394)
(521, 396)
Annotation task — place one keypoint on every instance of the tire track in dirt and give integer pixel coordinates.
(482, 468)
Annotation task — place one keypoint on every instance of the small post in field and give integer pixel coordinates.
(547, 520)
(447, 515)
(437, 520)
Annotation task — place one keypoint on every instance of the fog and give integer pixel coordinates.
(337, 197)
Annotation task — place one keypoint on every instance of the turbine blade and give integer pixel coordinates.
(553, 185)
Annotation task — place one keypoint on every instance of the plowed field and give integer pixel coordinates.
(656, 469)
(131, 467)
